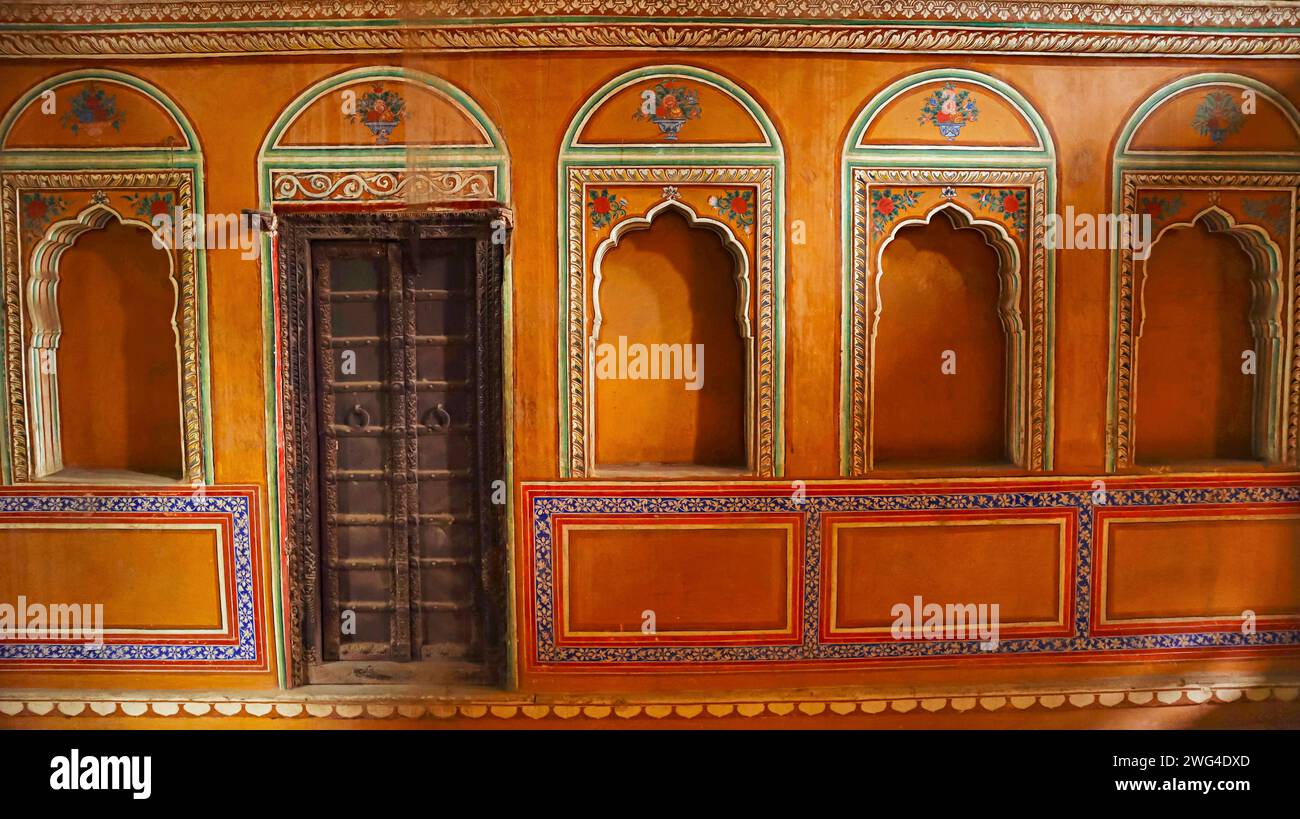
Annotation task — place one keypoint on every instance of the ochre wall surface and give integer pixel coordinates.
(812, 99)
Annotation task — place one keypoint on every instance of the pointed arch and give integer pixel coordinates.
(720, 145)
(996, 148)
(1216, 171)
(78, 176)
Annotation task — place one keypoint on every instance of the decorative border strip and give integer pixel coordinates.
(245, 650)
(418, 186)
(1187, 13)
(542, 502)
(169, 29)
(64, 706)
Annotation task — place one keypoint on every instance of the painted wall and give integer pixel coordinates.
(811, 100)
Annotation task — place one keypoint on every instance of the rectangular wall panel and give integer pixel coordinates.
(177, 572)
(1015, 560)
(1168, 570)
(1166, 558)
(626, 580)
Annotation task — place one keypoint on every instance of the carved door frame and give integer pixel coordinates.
(297, 401)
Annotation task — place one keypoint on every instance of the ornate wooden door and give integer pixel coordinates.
(401, 557)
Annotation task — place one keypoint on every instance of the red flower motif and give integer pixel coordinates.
(739, 205)
(158, 206)
(36, 209)
(885, 206)
(600, 204)
(1010, 204)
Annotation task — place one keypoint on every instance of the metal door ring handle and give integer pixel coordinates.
(442, 421)
(361, 411)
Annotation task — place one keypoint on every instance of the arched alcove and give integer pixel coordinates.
(671, 294)
(121, 154)
(945, 337)
(119, 387)
(971, 147)
(694, 142)
(104, 353)
(1207, 161)
(1208, 336)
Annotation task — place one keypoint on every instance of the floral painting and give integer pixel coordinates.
(1273, 212)
(669, 105)
(949, 109)
(39, 210)
(92, 110)
(736, 206)
(887, 206)
(147, 206)
(1218, 116)
(603, 208)
(1159, 208)
(1009, 204)
(380, 110)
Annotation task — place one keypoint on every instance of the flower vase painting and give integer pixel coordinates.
(380, 111)
(669, 105)
(949, 109)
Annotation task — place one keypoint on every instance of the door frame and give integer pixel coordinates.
(489, 227)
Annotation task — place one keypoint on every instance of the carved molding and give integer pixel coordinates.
(1270, 13)
(366, 186)
(1033, 431)
(1126, 306)
(182, 182)
(764, 395)
(952, 26)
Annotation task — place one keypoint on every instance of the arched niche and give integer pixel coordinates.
(1212, 159)
(133, 156)
(1209, 339)
(947, 332)
(102, 303)
(671, 373)
(969, 146)
(672, 139)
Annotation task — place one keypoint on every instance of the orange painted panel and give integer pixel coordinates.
(425, 117)
(671, 284)
(1174, 125)
(1201, 568)
(146, 578)
(105, 114)
(720, 118)
(1193, 400)
(1016, 563)
(694, 577)
(939, 293)
(996, 123)
(119, 388)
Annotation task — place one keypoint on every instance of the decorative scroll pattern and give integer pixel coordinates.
(179, 181)
(367, 186)
(765, 420)
(1126, 296)
(1107, 12)
(75, 30)
(859, 376)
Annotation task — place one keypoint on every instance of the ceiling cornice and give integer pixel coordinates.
(1220, 28)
